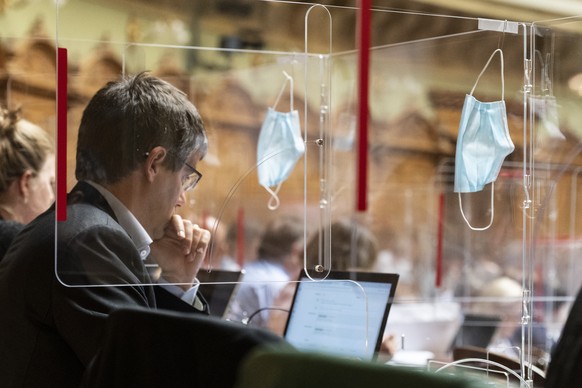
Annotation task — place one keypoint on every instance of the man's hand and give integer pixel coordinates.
(181, 251)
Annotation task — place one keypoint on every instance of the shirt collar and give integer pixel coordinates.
(128, 222)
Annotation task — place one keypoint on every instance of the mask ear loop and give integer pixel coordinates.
(492, 183)
(274, 201)
(290, 80)
(485, 68)
(492, 211)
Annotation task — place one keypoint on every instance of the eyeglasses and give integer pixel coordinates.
(189, 181)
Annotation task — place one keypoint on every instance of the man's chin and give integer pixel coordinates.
(157, 234)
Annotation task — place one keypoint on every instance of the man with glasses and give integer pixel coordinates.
(139, 142)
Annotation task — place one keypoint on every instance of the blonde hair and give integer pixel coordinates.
(23, 146)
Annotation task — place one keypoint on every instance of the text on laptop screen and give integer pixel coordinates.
(331, 316)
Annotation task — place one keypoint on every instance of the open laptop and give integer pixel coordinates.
(344, 315)
(219, 288)
(424, 326)
(476, 330)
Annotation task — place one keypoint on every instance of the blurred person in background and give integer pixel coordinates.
(353, 248)
(278, 263)
(226, 251)
(501, 297)
(27, 174)
(249, 243)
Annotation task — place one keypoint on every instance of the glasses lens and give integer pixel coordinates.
(191, 181)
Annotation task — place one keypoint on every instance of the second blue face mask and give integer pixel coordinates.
(483, 143)
(279, 148)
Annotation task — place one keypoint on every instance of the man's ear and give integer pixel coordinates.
(154, 161)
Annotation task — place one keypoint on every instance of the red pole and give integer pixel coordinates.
(363, 78)
(440, 233)
(61, 194)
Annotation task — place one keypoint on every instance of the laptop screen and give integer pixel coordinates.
(219, 288)
(476, 330)
(345, 314)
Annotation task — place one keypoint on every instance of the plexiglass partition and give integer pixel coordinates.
(556, 153)
(235, 102)
(460, 255)
(493, 268)
(266, 114)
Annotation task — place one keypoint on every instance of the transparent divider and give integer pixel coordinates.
(235, 103)
(415, 224)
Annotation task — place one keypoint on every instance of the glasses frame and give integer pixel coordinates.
(190, 181)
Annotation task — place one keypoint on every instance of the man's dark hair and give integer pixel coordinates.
(129, 117)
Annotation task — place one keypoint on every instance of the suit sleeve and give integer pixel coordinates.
(98, 271)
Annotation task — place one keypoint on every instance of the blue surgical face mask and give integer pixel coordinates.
(483, 143)
(279, 148)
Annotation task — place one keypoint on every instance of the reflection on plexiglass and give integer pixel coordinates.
(512, 281)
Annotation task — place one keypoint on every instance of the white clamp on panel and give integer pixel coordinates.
(498, 25)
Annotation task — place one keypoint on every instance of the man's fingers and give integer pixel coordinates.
(177, 224)
(200, 240)
(188, 235)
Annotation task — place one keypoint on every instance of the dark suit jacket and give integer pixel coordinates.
(8, 230)
(51, 323)
(565, 369)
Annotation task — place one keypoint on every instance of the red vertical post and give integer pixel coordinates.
(363, 86)
(62, 96)
(440, 235)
